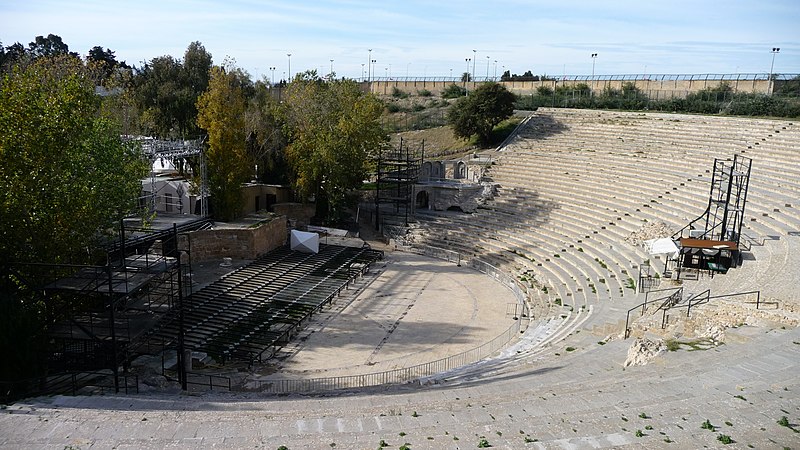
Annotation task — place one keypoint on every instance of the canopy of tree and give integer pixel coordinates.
(66, 178)
(333, 129)
(479, 112)
(166, 92)
(66, 174)
(222, 115)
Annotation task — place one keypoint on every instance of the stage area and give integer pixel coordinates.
(410, 310)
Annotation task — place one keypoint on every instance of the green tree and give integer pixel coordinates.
(478, 113)
(66, 178)
(265, 138)
(66, 175)
(221, 113)
(333, 129)
(167, 90)
(51, 45)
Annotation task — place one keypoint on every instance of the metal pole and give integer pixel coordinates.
(369, 64)
(775, 51)
(474, 58)
(181, 362)
(289, 55)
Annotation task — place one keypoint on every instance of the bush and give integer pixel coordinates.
(424, 93)
(397, 93)
(417, 107)
(545, 91)
(393, 107)
(453, 91)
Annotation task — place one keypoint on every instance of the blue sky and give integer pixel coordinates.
(428, 38)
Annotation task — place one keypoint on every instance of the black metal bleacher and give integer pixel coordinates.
(254, 310)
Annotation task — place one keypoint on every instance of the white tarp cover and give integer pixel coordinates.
(304, 242)
(661, 246)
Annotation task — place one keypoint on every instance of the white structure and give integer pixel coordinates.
(304, 242)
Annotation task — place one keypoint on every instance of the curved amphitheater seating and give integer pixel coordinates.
(573, 184)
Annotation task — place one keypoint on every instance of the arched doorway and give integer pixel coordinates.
(422, 200)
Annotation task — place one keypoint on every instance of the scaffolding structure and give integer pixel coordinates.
(710, 243)
(98, 316)
(155, 149)
(397, 171)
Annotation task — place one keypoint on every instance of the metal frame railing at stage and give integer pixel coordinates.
(416, 372)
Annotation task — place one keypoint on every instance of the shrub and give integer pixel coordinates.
(393, 107)
(397, 93)
(545, 91)
(424, 93)
(453, 91)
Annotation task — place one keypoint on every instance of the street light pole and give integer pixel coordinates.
(487, 67)
(289, 55)
(775, 51)
(495, 70)
(272, 79)
(474, 58)
(594, 58)
(369, 68)
(331, 75)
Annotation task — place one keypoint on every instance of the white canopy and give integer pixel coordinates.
(661, 246)
(304, 242)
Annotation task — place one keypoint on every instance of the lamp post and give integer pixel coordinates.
(272, 79)
(775, 51)
(369, 65)
(373, 69)
(289, 55)
(331, 75)
(495, 70)
(474, 58)
(487, 67)
(467, 78)
(362, 71)
(594, 58)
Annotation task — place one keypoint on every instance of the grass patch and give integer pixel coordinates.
(725, 439)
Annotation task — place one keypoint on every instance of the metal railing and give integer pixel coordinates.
(669, 300)
(411, 373)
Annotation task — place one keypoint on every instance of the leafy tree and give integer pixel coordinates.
(332, 129)
(265, 137)
(51, 45)
(478, 113)
(66, 174)
(221, 113)
(15, 54)
(167, 90)
(67, 178)
(103, 62)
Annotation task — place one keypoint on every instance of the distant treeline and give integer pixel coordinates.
(721, 99)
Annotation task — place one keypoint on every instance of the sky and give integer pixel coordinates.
(430, 38)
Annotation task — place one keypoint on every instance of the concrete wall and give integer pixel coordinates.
(656, 89)
(239, 243)
(300, 214)
(257, 197)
